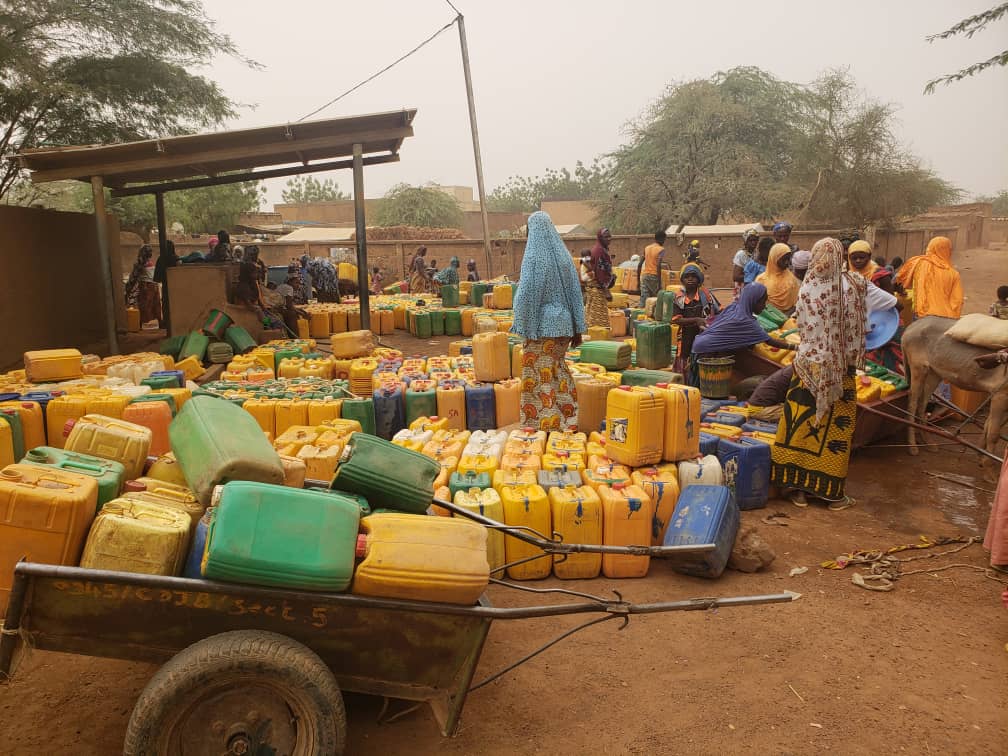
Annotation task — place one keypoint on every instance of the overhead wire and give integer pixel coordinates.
(374, 76)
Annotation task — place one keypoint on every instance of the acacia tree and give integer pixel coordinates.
(75, 72)
(202, 209)
(406, 205)
(744, 144)
(968, 27)
(526, 194)
(302, 189)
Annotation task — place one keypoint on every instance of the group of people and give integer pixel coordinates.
(830, 290)
(425, 278)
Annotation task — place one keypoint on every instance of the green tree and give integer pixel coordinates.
(999, 203)
(301, 189)
(205, 209)
(850, 166)
(406, 205)
(746, 145)
(526, 194)
(708, 147)
(968, 27)
(100, 71)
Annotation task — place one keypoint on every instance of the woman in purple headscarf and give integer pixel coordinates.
(737, 328)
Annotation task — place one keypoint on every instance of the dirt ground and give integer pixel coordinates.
(922, 669)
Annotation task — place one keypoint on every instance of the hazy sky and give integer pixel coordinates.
(556, 81)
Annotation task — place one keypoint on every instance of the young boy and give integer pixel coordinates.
(1000, 308)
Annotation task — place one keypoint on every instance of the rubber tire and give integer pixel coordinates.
(259, 652)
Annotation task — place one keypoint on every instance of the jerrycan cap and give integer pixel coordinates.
(625, 388)
(37, 455)
(68, 426)
(662, 384)
(215, 497)
(134, 486)
(618, 486)
(8, 474)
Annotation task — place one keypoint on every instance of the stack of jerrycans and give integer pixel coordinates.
(47, 513)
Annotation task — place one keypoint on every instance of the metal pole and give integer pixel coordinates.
(476, 145)
(162, 235)
(101, 226)
(362, 265)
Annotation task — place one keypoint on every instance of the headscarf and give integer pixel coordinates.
(735, 328)
(781, 226)
(691, 268)
(548, 300)
(800, 260)
(881, 273)
(860, 245)
(781, 284)
(212, 243)
(831, 321)
(601, 261)
(936, 287)
(748, 234)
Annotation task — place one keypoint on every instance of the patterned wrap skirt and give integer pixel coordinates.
(814, 458)
(548, 397)
(596, 306)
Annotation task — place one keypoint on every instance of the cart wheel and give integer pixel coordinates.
(244, 692)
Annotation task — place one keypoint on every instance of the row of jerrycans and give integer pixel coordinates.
(648, 424)
(618, 515)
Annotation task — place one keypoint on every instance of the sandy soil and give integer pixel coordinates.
(922, 669)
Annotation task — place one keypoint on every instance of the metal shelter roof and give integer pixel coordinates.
(309, 146)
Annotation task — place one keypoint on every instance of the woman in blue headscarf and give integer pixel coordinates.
(737, 328)
(549, 314)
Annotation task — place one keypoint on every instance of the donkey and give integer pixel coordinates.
(933, 357)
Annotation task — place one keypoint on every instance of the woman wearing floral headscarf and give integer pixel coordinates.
(549, 314)
(600, 275)
(812, 450)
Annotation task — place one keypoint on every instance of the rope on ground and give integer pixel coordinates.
(884, 570)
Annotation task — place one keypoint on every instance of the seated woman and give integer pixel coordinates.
(781, 284)
(691, 309)
(736, 328)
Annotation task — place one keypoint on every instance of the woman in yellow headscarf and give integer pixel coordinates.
(859, 259)
(781, 284)
(936, 287)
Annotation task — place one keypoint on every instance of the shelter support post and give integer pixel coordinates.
(476, 145)
(361, 233)
(162, 237)
(101, 227)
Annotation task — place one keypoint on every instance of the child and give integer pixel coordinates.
(376, 280)
(1000, 308)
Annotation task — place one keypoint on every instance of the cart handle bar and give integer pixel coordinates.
(551, 546)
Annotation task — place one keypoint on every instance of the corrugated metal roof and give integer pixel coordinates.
(316, 234)
(196, 155)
